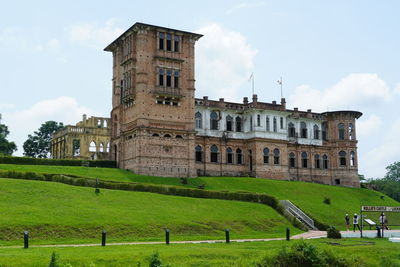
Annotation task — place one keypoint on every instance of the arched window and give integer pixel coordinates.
(229, 123)
(178, 136)
(351, 131)
(238, 124)
(167, 136)
(229, 155)
(304, 159)
(326, 162)
(303, 129)
(155, 135)
(108, 148)
(352, 159)
(276, 156)
(199, 153)
(239, 156)
(316, 131)
(92, 147)
(292, 130)
(292, 160)
(214, 120)
(267, 126)
(199, 120)
(341, 131)
(281, 122)
(266, 155)
(258, 120)
(342, 158)
(101, 147)
(317, 161)
(275, 127)
(324, 131)
(214, 153)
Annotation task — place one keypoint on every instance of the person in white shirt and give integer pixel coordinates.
(383, 221)
(355, 223)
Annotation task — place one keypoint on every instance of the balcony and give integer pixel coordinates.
(167, 92)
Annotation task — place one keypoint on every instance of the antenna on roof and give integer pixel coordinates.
(280, 82)
(252, 82)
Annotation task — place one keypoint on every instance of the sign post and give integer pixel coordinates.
(376, 209)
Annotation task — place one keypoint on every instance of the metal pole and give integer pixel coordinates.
(288, 234)
(227, 235)
(103, 238)
(26, 239)
(167, 236)
(362, 223)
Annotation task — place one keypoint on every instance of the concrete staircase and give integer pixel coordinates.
(294, 211)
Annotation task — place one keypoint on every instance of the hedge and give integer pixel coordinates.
(61, 162)
(159, 189)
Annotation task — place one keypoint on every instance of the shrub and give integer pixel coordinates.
(327, 200)
(155, 261)
(333, 233)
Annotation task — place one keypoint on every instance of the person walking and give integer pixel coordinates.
(355, 223)
(347, 221)
(383, 221)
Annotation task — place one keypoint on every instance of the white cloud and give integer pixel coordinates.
(52, 44)
(385, 153)
(397, 89)
(63, 109)
(244, 5)
(224, 62)
(355, 91)
(367, 126)
(13, 37)
(94, 35)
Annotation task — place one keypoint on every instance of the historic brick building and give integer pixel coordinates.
(158, 127)
(88, 139)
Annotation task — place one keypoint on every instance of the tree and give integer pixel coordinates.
(38, 145)
(393, 172)
(6, 147)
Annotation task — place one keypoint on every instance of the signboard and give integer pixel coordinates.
(380, 208)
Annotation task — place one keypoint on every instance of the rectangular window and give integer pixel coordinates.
(169, 78)
(239, 159)
(281, 122)
(229, 126)
(317, 165)
(161, 41)
(214, 157)
(199, 156)
(229, 158)
(176, 43)
(305, 163)
(266, 159)
(169, 42)
(176, 79)
(258, 120)
(292, 162)
(276, 160)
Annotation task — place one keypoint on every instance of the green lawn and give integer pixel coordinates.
(308, 196)
(370, 251)
(59, 213)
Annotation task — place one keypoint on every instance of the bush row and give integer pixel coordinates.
(61, 162)
(152, 188)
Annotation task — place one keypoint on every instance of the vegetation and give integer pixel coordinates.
(59, 163)
(38, 144)
(58, 213)
(390, 184)
(307, 196)
(334, 233)
(6, 147)
(366, 252)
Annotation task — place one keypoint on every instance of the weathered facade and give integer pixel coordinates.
(88, 139)
(159, 128)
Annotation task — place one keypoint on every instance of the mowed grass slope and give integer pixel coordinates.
(57, 213)
(307, 196)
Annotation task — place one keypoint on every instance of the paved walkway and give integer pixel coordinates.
(306, 235)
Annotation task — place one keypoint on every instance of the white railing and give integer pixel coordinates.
(298, 213)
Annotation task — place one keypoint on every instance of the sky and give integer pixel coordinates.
(332, 55)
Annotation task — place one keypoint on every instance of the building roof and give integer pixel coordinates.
(109, 47)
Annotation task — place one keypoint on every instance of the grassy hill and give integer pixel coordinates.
(59, 213)
(309, 197)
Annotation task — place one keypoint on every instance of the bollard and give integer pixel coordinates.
(167, 236)
(288, 234)
(378, 231)
(103, 238)
(227, 235)
(26, 239)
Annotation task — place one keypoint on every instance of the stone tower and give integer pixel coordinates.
(152, 116)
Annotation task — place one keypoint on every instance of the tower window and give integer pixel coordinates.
(317, 161)
(214, 120)
(199, 120)
(342, 158)
(352, 159)
(199, 154)
(161, 41)
(169, 42)
(275, 127)
(351, 136)
(176, 79)
(229, 123)
(267, 127)
(292, 130)
(161, 73)
(238, 124)
(266, 155)
(276, 156)
(258, 120)
(324, 132)
(239, 156)
(281, 121)
(229, 155)
(176, 43)
(316, 132)
(341, 131)
(169, 78)
(325, 161)
(303, 129)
